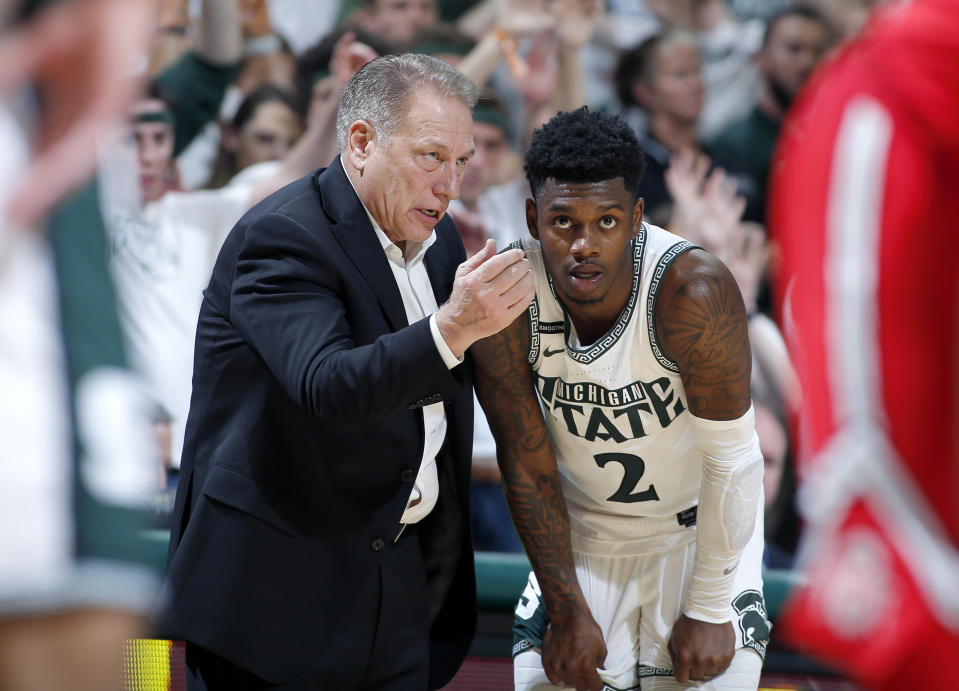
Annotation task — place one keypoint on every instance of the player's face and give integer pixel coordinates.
(408, 180)
(586, 230)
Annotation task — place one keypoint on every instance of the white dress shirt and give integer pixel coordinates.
(419, 301)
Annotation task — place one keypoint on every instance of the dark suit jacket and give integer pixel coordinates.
(305, 423)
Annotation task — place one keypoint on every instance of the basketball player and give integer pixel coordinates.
(624, 428)
(865, 211)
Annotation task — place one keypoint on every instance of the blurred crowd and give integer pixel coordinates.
(705, 83)
(238, 97)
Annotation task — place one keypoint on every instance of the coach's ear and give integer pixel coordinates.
(361, 141)
(531, 218)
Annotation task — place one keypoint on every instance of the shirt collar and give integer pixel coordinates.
(416, 249)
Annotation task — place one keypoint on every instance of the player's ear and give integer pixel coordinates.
(638, 216)
(531, 218)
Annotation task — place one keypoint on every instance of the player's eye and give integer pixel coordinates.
(433, 156)
(563, 222)
(607, 222)
(462, 161)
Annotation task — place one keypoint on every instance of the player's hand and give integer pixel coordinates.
(701, 650)
(490, 290)
(573, 648)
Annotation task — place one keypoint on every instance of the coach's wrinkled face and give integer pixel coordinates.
(407, 180)
(585, 230)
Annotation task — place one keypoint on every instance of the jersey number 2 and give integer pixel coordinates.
(633, 467)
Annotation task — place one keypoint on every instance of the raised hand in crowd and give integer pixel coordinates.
(707, 209)
(747, 257)
(349, 55)
(576, 20)
(77, 56)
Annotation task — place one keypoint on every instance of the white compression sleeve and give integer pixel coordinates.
(728, 501)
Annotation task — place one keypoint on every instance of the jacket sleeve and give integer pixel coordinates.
(289, 303)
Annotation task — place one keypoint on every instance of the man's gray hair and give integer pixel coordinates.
(380, 92)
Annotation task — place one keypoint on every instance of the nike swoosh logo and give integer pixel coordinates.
(732, 568)
(550, 353)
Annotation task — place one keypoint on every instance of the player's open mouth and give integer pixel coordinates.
(432, 213)
(585, 277)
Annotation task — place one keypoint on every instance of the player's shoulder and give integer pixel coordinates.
(694, 269)
(696, 277)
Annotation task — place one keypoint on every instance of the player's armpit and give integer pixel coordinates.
(701, 324)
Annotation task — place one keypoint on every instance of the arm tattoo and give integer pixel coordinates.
(705, 331)
(506, 389)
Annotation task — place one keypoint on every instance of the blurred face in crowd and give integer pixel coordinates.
(793, 48)
(154, 141)
(398, 21)
(772, 445)
(407, 180)
(674, 86)
(482, 169)
(267, 136)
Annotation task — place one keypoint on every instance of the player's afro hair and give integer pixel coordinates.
(584, 146)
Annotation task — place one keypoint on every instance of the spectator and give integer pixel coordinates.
(162, 251)
(265, 128)
(726, 49)
(663, 76)
(796, 39)
(485, 208)
(774, 445)
(444, 41)
(266, 59)
(395, 21)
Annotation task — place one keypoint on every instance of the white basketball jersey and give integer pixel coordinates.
(616, 413)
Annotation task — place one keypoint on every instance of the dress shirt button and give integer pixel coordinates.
(377, 545)
(406, 476)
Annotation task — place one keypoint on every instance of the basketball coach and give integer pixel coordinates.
(321, 528)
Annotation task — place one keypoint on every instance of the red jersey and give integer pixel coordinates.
(865, 208)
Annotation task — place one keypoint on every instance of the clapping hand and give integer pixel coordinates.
(707, 208)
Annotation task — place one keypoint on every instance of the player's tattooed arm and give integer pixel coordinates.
(505, 387)
(702, 326)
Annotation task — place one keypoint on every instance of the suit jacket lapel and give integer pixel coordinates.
(352, 230)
